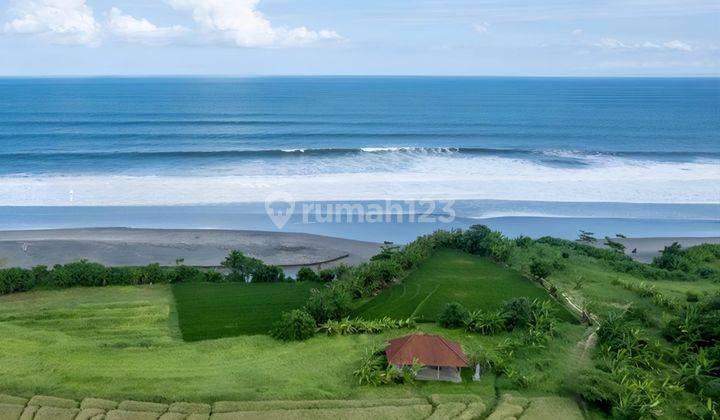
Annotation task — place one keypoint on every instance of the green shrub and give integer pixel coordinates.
(296, 325)
(697, 325)
(307, 274)
(540, 269)
(523, 242)
(481, 240)
(375, 370)
(691, 296)
(213, 276)
(268, 274)
(671, 258)
(374, 275)
(485, 323)
(596, 387)
(517, 312)
(326, 275)
(454, 315)
(241, 266)
(360, 326)
(328, 303)
(16, 280)
(152, 273)
(184, 273)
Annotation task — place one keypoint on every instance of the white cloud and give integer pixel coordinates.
(131, 29)
(612, 43)
(616, 44)
(481, 27)
(240, 23)
(577, 32)
(677, 45)
(59, 21)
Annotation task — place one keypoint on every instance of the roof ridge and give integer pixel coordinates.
(447, 344)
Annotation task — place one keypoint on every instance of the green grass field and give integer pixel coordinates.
(453, 276)
(123, 342)
(215, 310)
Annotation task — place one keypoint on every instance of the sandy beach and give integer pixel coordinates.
(206, 248)
(649, 248)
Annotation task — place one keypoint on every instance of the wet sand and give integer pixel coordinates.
(197, 247)
(207, 248)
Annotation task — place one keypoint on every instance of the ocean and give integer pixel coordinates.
(635, 153)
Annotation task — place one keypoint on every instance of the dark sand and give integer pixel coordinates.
(649, 248)
(205, 248)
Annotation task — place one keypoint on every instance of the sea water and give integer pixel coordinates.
(628, 153)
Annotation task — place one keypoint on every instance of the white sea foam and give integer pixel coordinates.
(425, 177)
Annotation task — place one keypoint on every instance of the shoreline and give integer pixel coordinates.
(196, 247)
(648, 248)
(117, 246)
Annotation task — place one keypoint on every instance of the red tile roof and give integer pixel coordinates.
(430, 350)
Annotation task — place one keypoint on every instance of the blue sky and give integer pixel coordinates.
(336, 37)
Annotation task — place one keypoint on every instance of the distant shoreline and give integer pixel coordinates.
(195, 247)
(649, 248)
(208, 247)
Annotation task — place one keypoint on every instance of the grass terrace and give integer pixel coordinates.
(453, 276)
(215, 310)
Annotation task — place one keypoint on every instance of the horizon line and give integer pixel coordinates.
(257, 76)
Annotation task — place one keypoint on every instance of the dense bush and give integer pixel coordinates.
(697, 325)
(486, 323)
(375, 370)
(540, 269)
(373, 275)
(268, 274)
(328, 303)
(296, 325)
(327, 275)
(454, 315)
(241, 267)
(16, 280)
(90, 274)
(617, 261)
(517, 312)
(694, 261)
(523, 241)
(480, 240)
(672, 258)
(307, 274)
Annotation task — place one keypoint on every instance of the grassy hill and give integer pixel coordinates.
(215, 310)
(453, 276)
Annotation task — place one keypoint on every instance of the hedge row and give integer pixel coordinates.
(85, 273)
(91, 274)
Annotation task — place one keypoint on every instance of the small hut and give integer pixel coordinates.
(441, 359)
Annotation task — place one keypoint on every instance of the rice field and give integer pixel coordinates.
(123, 342)
(435, 406)
(215, 310)
(126, 343)
(453, 276)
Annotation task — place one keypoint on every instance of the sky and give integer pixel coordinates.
(367, 37)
